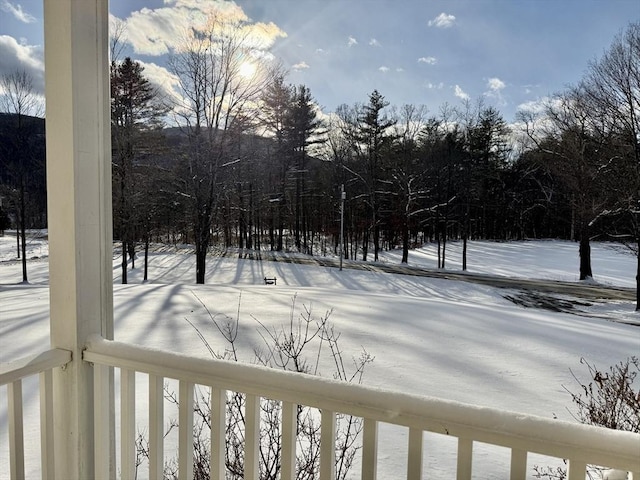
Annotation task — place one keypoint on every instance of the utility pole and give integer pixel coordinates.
(343, 196)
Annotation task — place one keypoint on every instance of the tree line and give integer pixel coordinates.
(254, 163)
(23, 194)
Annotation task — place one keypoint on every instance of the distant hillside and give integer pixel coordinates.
(9, 121)
(22, 162)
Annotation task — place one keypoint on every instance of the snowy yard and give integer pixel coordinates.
(440, 338)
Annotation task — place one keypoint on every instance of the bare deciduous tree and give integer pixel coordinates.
(567, 135)
(19, 98)
(222, 71)
(612, 88)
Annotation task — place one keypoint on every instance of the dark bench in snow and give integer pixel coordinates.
(269, 280)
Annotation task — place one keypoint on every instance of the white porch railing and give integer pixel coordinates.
(12, 374)
(581, 445)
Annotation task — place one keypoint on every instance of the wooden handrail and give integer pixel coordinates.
(583, 443)
(33, 364)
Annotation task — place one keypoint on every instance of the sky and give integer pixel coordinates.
(508, 53)
(448, 339)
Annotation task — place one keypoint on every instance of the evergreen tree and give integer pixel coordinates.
(275, 118)
(304, 130)
(374, 136)
(136, 115)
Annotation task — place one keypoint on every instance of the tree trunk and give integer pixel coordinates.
(146, 259)
(23, 231)
(405, 242)
(242, 227)
(272, 233)
(249, 242)
(131, 245)
(585, 254)
(365, 245)
(124, 262)
(638, 277)
(281, 221)
(18, 236)
(444, 248)
(376, 241)
(23, 234)
(465, 236)
(201, 258)
(464, 252)
(297, 208)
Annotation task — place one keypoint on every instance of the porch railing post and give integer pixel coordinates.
(79, 214)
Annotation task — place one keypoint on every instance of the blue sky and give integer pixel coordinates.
(506, 52)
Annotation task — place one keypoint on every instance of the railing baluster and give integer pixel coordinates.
(327, 445)
(414, 457)
(101, 419)
(370, 449)
(156, 426)
(251, 437)
(518, 465)
(185, 431)
(577, 470)
(289, 429)
(218, 438)
(46, 425)
(465, 458)
(16, 431)
(128, 423)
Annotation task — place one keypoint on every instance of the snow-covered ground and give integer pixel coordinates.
(441, 338)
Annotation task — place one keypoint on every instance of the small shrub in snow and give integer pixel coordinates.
(297, 346)
(607, 399)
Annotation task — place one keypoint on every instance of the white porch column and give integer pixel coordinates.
(79, 213)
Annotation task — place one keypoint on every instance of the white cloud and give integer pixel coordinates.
(444, 20)
(159, 31)
(263, 35)
(434, 86)
(17, 11)
(399, 69)
(351, 42)
(495, 84)
(428, 60)
(165, 82)
(383, 69)
(536, 106)
(15, 56)
(154, 32)
(458, 92)
(374, 43)
(300, 66)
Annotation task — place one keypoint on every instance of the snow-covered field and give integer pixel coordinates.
(441, 338)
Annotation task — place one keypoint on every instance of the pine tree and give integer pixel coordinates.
(304, 130)
(136, 113)
(275, 114)
(374, 135)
